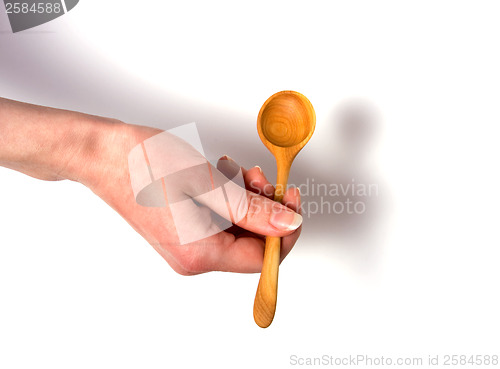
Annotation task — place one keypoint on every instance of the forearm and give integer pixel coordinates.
(52, 144)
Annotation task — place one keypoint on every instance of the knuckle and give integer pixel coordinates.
(243, 206)
(253, 209)
(238, 200)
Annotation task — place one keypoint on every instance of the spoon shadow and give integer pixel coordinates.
(344, 200)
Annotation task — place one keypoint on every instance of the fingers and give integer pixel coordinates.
(245, 253)
(249, 210)
(241, 249)
(220, 252)
(240, 254)
(267, 217)
(256, 182)
(228, 167)
(254, 178)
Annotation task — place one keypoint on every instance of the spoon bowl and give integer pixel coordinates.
(286, 119)
(285, 124)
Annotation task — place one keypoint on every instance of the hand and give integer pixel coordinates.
(239, 248)
(53, 144)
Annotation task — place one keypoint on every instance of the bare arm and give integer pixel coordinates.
(52, 144)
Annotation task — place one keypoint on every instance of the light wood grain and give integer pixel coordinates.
(285, 124)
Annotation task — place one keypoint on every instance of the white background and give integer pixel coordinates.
(417, 276)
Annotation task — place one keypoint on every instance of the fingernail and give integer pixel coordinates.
(228, 167)
(260, 169)
(285, 219)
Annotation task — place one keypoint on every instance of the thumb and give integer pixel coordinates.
(249, 210)
(268, 217)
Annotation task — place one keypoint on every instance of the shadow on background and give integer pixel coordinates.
(337, 156)
(359, 198)
(345, 202)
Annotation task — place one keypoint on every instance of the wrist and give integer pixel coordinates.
(101, 159)
(94, 150)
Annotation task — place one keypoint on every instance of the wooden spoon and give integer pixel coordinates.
(285, 123)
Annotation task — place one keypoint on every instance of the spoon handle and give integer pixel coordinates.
(264, 305)
(267, 291)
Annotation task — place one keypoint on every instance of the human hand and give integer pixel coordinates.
(53, 144)
(239, 248)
